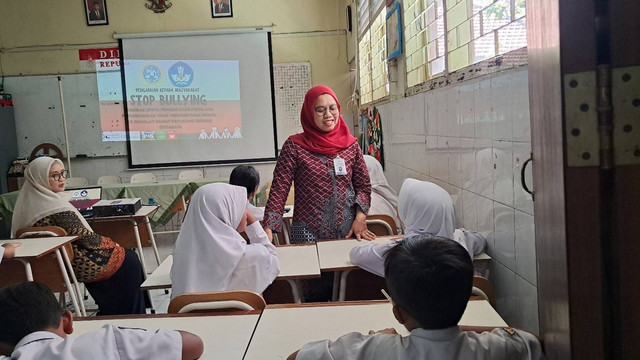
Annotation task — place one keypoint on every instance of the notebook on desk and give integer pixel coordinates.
(83, 199)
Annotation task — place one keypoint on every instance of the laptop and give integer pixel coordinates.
(83, 199)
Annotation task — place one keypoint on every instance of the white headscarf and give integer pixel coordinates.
(384, 199)
(426, 208)
(36, 199)
(209, 248)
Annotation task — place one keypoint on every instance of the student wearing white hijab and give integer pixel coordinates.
(384, 199)
(211, 255)
(425, 209)
(111, 274)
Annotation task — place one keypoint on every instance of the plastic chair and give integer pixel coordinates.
(484, 289)
(191, 175)
(46, 270)
(217, 301)
(143, 178)
(382, 225)
(109, 179)
(75, 182)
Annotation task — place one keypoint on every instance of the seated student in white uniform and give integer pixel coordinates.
(425, 209)
(211, 255)
(384, 199)
(8, 250)
(248, 176)
(429, 280)
(34, 326)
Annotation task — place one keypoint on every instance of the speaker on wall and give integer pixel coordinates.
(349, 18)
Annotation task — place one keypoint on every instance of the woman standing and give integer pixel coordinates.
(333, 191)
(111, 274)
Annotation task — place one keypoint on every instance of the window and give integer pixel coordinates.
(475, 30)
(424, 34)
(372, 52)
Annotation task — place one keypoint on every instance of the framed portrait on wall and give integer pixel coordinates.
(394, 32)
(221, 8)
(96, 12)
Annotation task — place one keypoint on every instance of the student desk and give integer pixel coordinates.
(126, 231)
(35, 248)
(225, 336)
(167, 194)
(334, 256)
(311, 322)
(296, 262)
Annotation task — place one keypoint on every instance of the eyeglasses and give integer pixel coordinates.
(321, 110)
(61, 175)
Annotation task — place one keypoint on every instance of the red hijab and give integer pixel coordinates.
(314, 139)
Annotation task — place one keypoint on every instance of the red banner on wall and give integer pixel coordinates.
(99, 59)
(96, 54)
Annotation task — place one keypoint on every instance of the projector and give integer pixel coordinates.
(116, 207)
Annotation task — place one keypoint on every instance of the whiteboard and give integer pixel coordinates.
(38, 110)
(38, 114)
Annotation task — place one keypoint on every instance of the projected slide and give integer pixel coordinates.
(197, 98)
(183, 100)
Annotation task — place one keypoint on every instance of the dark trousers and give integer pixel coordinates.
(120, 294)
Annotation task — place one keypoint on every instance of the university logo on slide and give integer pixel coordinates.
(151, 73)
(181, 74)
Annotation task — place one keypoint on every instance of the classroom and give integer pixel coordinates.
(526, 113)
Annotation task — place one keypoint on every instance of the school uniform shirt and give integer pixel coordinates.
(256, 211)
(108, 343)
(445, 344)
(1, 253)
(370, 257)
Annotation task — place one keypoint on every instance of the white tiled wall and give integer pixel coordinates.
(473, 139)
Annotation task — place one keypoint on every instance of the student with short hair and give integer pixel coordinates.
(35, 327)
(248, 177)
(429, 280)
(425, 209)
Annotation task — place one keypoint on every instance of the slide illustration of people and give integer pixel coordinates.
(214, 133)
(226, 134)
(96, 12)
(237, 134)
(203, 135)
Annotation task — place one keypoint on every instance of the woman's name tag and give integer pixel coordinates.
(339, 166)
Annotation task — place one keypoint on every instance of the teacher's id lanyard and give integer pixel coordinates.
(339, 166)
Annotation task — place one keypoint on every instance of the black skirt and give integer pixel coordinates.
(120, 294)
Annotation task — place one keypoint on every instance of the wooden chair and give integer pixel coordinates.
(109, 179)
(143, 178)
(279, 292)
(46, 270)
(191, 175)
(483, 289)
(363, 285)
(76, 182)
(382, 225)
(217, 301)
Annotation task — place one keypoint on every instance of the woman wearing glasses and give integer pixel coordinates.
(111, 274)
(332, 187)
